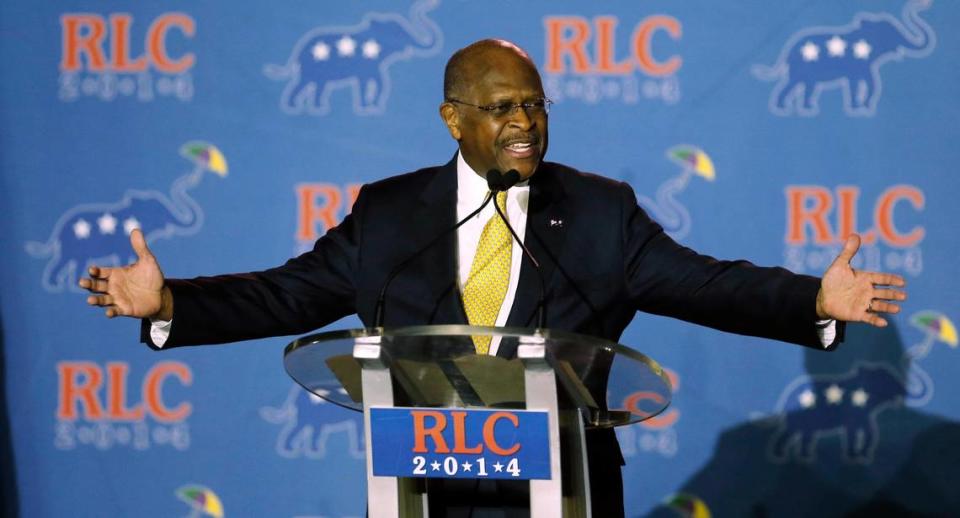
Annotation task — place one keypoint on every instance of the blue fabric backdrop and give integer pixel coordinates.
(236, 133)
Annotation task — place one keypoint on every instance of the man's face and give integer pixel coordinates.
(517, 140)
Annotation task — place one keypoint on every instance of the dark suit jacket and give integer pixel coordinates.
(602, 259)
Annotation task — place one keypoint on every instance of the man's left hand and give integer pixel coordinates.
(856, 295)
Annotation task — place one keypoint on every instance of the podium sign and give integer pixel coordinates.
(435, 409)
(460, 443)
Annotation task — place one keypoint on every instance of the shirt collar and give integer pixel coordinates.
(472, 186)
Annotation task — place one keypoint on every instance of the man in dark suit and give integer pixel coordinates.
(603, 258)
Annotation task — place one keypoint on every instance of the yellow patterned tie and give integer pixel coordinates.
(486, 286)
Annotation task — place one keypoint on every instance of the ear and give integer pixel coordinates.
(451, 117)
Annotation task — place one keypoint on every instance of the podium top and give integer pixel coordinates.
(437, 366)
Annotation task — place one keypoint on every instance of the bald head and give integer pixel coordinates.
(473, 61)
(495, 108)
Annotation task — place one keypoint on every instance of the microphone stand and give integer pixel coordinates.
(381, 300)
(541, 303)
(497, 182)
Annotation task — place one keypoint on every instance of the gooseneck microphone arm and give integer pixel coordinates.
(541, 304)
(381, 300)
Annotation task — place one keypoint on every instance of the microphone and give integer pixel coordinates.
(381, 300)
(498, 182)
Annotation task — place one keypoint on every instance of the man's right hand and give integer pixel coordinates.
(136, 290)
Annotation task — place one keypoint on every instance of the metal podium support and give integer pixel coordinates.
(390, 497)
(540, 384)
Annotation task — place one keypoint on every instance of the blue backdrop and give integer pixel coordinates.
(236, 133)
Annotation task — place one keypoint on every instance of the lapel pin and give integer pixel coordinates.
(556, 223)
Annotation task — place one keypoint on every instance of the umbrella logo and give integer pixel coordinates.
(98, 233)
(665, 208)
(936, 327)
(687, 505)
(202, 501)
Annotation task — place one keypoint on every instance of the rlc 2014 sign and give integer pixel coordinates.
(460, 443)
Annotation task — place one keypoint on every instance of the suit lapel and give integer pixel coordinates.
(547, 221)
(434, 214)
(548, 217)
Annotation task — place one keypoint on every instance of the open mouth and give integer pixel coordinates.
(521, 149)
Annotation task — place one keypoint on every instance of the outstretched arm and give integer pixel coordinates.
(856, 295)
(136, 290)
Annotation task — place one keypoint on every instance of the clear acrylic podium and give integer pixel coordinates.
(580, 382)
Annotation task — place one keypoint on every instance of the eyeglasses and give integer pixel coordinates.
(504, 109)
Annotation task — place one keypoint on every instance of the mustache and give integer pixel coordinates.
(532, 139)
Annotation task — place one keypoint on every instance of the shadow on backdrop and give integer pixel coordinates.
(8, 480)
(846, 439)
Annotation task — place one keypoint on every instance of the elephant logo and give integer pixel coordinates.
(99, 233)
(665, 209)
(847, 57)
(814, 406)
(359, 57)
(309, 422)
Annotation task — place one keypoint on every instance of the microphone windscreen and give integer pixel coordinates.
(495, 181)
(511, 178)
(498, 181)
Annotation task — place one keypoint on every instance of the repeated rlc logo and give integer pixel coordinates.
(847, 57)
(656, 434)
(819, 219)
(90, 42)
(809, 209)
(358, 57)
(321, 206)
(97, 405)
(101, 58)
(568, 36)
(582, 62)
(90, 392)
